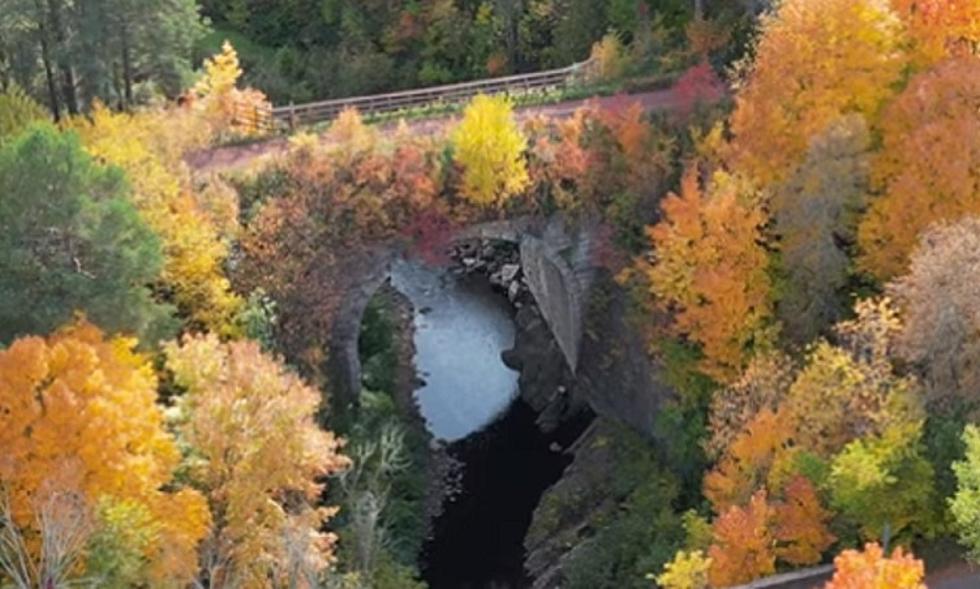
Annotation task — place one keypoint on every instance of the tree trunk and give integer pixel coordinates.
(64, 64)
(54, 103)
(127, 65)
(699, 9)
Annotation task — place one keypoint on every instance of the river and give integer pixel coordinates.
(461, 328)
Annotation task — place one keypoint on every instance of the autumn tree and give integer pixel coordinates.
(815, 61)
(149, 147)
(940, 28)
(941, 311)
(709, 268)
(750, 538)
(334, 198)
(71, 242)
(763, 385)
(965, 504)
(258, 455)
(743, 544)
(229, 109)
(928, 169)
(17, 112)
(871, 569)
(78, 413)
(884, 481)
(815, 216)
(688, 570)
(850, 390)
(490, 147)
(746, 465)
(800, 524)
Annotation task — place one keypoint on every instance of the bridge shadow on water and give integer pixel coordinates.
(478, 541)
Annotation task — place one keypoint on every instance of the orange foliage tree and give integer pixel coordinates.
(749, 539)
(747, 463)
(743, 544)
(763, 385)
(871, 569)
(709, 267)
(816, 60)
(301, 245)
(258, 454)
(940, 28)
(800, 527)
(78, 413)
(928, 169)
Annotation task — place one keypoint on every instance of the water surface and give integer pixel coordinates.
(461, 328)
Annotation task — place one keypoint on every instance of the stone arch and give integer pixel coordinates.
(556, 262)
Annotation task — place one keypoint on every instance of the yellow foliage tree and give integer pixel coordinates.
(148, 147)
(257, 454)
(688, 570)
(928, 169)
(490, 147)
(710, 268)
(816, 60)
(78, 413)
(228, 109)
(850, 390)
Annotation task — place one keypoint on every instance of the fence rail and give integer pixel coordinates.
(293, 116)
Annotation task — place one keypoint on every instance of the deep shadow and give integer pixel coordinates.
(478, 541)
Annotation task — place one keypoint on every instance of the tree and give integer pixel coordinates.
(928, 168)
(800, 524)
(743, 544)
(490, 148)
(688, 570)
(763, 385)
(150, 146)
(884, 481)
(71, 242)
(710, 268)
(257, 454)
(871, 569)
(941, 311)
(17, 112)
(815, 61)
(965, 504)
(63, 526)
(230, 110)
(746, 466)
(814, 213)
(78, 413)
(940, 28)
(100, 50)
(850, 390)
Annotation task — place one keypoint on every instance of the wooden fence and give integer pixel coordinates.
(293, 116)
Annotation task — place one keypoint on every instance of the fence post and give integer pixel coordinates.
(292, 117)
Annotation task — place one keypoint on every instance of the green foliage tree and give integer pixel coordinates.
(17, 111)
(100, 49)
(965, 504)
(72, 242)
(885, 482)
(814, 220)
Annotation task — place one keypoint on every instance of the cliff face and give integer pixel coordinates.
(615, 378)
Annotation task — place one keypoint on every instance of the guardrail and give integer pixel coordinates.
(293, 116)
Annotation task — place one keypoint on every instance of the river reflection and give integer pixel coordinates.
(461, 328)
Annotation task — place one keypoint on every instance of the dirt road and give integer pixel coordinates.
(233, 157)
